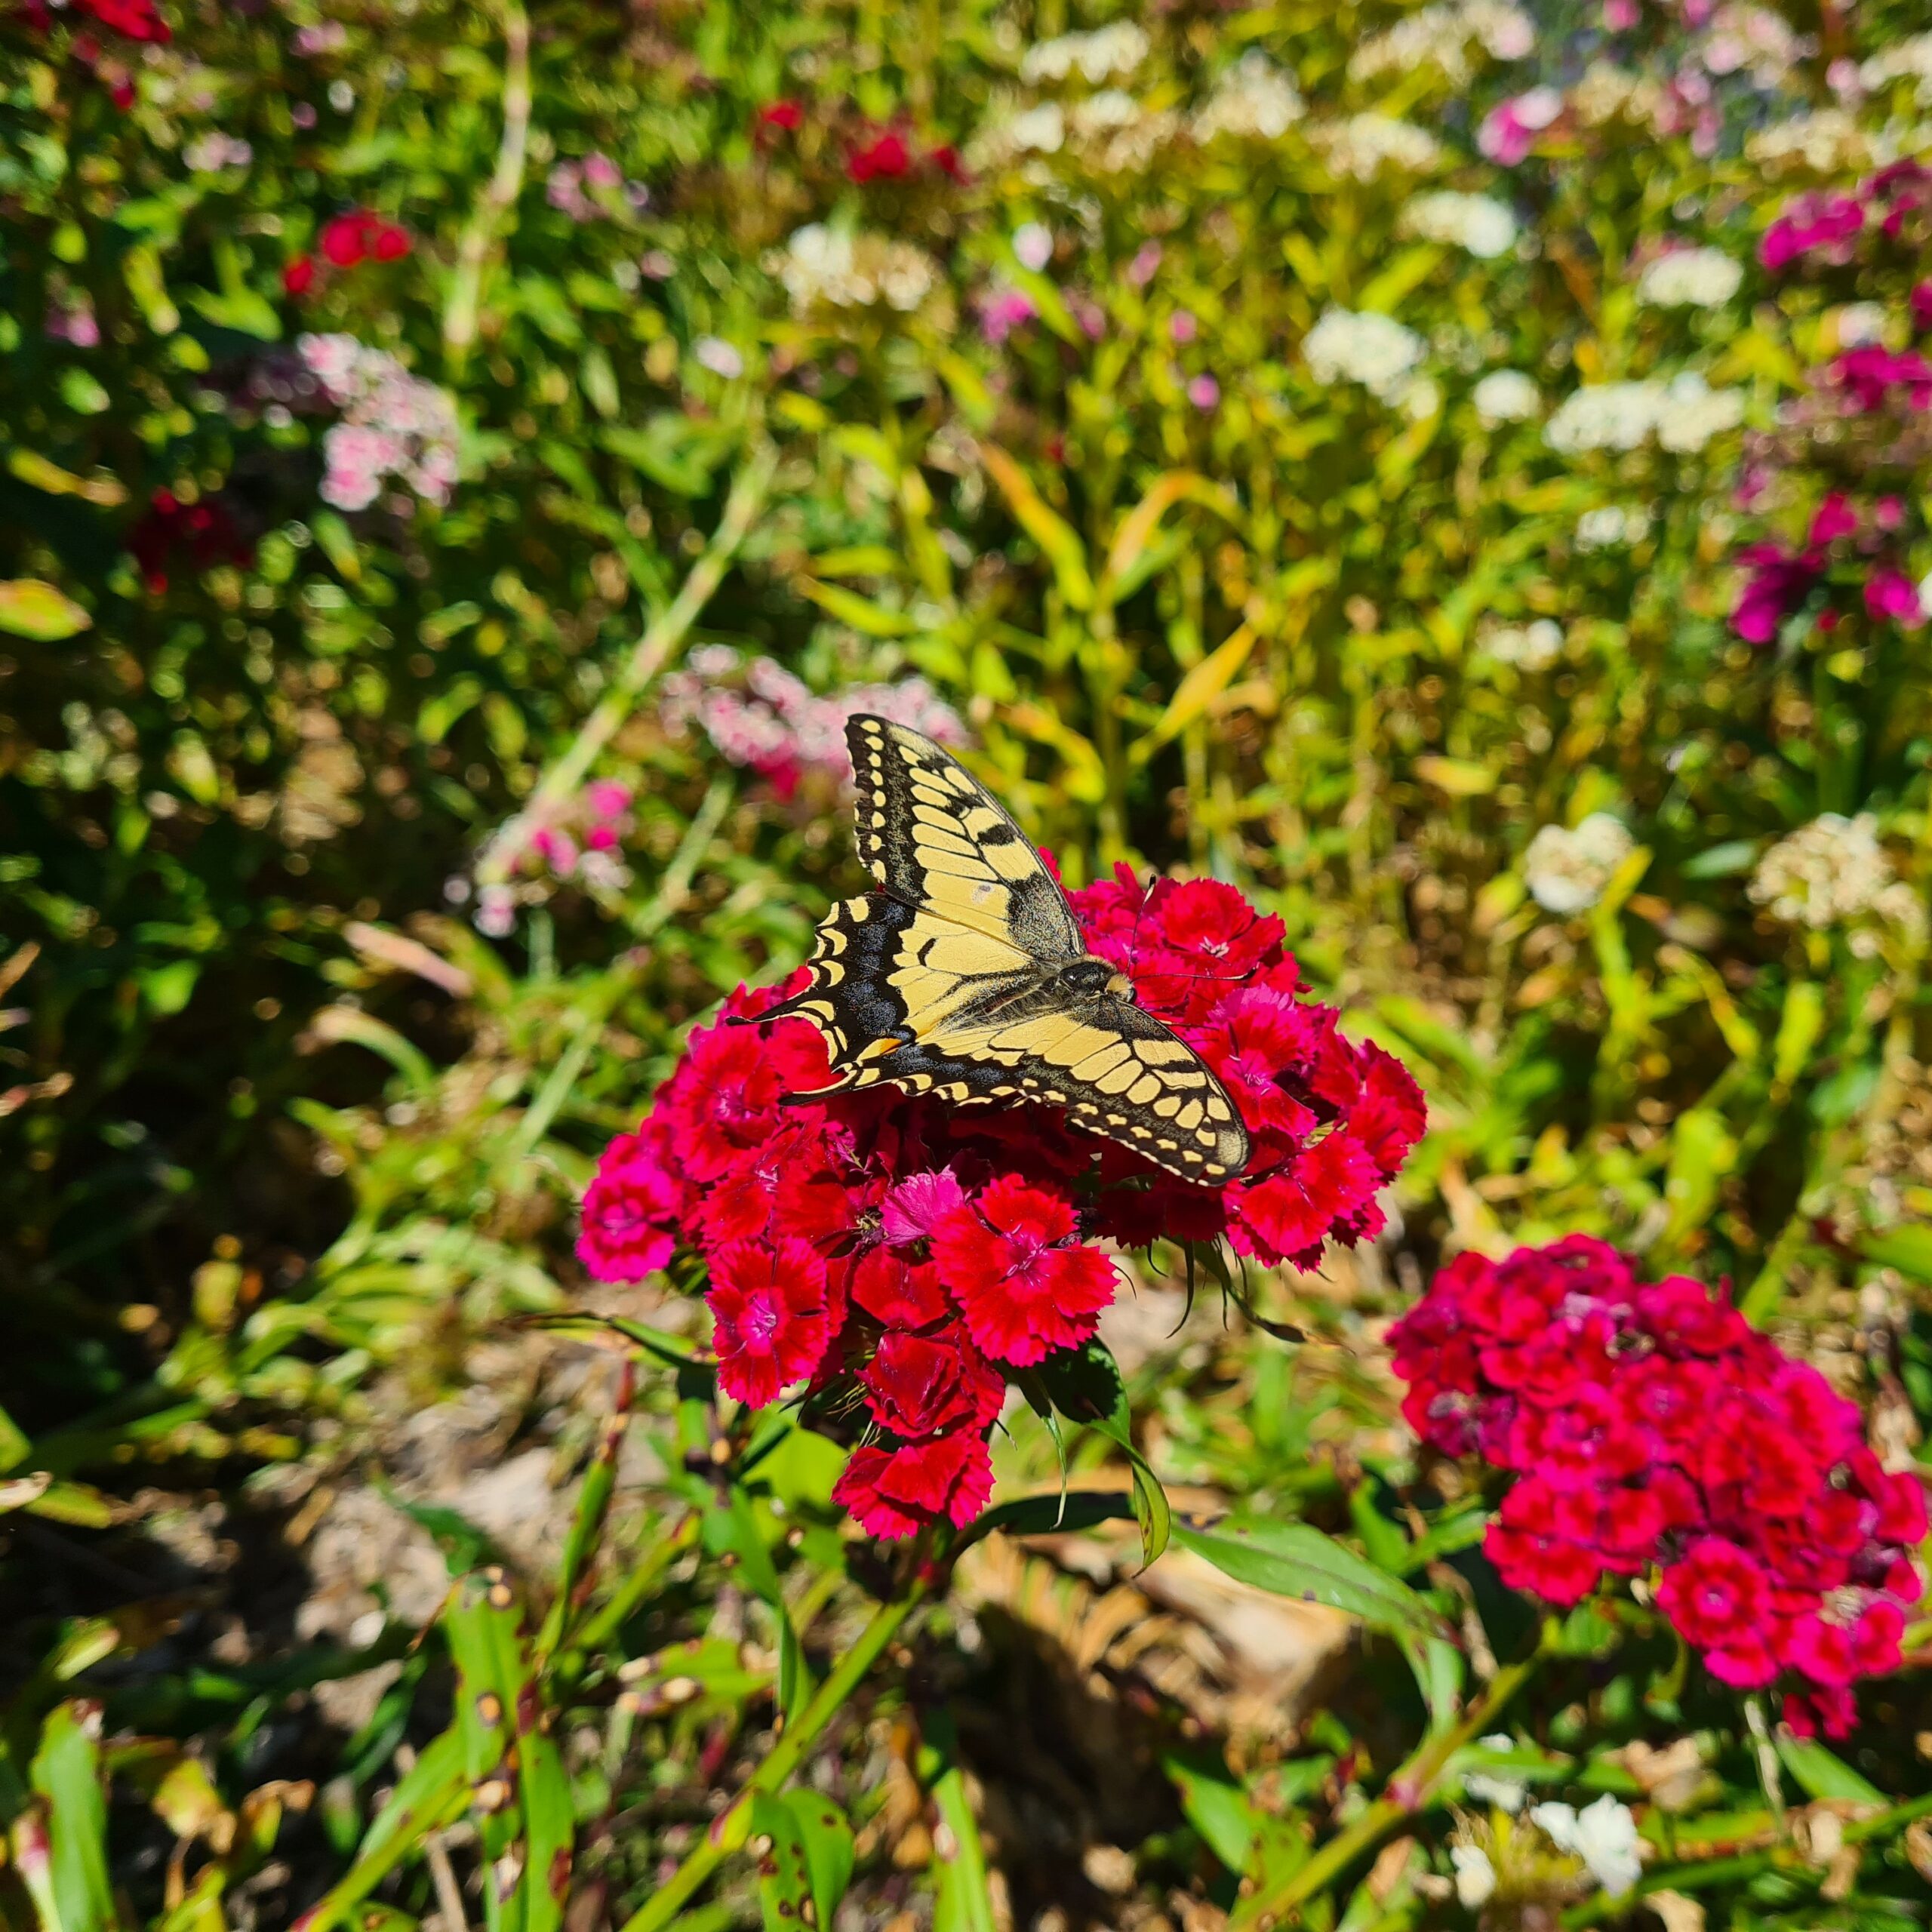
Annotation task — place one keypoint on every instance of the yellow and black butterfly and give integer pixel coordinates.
(964, 975)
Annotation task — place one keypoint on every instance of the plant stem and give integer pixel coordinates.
(1406, 1794)
(616, 1609)
(662, 638)
(729, 1829)
(500, 197)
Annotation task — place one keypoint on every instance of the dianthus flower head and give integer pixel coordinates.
(772, 1318)
(1652, 1429)
(1012, 1262)
(902, 1255)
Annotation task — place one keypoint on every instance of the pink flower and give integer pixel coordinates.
(1508, 131)
(1824, 225)
(1890, 596)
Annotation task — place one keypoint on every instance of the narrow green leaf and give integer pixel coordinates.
(1292, 1560)
(30, 608)
(1821, 1775)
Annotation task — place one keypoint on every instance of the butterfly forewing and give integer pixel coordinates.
(947, 980)
(932, 834)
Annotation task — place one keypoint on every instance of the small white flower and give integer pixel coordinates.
(1860, 324)
(1532, 647)
(1374, 350)
(1483, 226)
(1506, 1793)
(1610, 524)
(1693, 412)
(1567, 871)
(1033, 245)
(1107, 52)
(717, 355)
(1690, 279)
(1363, 145)
(1506, 396)
(1604, 1835)
(1831, 872)
(1442, 35)
(1254, 101)
(1475, 1877)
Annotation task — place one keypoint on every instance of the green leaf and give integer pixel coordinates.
(66, 1772)
(1292, 1560)
(1059, 542)
(1725, 861)
(30, 608)
(964, 1901)
(1214, 1804)
(1908, 1248)
(1821, 1775)
(826, 1837)
(1045, 1515)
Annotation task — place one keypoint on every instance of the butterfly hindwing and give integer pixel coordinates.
(953, 979)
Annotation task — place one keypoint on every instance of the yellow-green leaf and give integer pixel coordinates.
(1196, 691)
(1460, 777)
(30, 608)
(1057, 538)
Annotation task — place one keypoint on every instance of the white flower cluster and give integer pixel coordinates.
(1754, 41)
(1909, 60)
(1690, 279)
(1610, 525)
(1444, 35)
(828, 267)
(1607, 91)
(1253, 100)
(1498, 1787)
(1859, 324)
(1363, 145)
(1483, 226)
(1684, 414)
(1567, 870)
(209, 153)
(1834, 872)
(1375, 351)
(1506, 396)
(1826, 142)
(1532, 647)
(1107, 53)
(1110, 130)
(393, 424)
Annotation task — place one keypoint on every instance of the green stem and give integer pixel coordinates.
(500, 197)
(1407, 1793)
(617, 1609)
(662, 638)
(728, 1831)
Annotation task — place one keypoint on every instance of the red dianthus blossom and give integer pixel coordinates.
(1650, 1427)
(897, 1256)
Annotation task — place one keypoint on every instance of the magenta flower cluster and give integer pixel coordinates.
(1652, 1432)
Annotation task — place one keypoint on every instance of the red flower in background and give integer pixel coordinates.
(880, 154)
(350, 239)
(134, 20)
(205, 532)
(1650, 1426)
(781, 117)
(899, 1254)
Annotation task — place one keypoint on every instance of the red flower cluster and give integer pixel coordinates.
(347, 241)
(900, 1255)
(205, 531)
(1649, 1424)
(134, 20)
(888, 154)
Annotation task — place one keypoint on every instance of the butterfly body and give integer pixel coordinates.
(965, 975)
